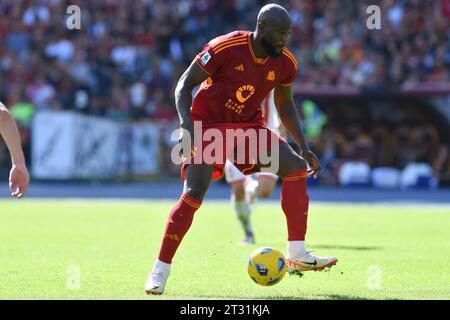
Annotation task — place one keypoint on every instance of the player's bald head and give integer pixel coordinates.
(273, 28)
(273, 14)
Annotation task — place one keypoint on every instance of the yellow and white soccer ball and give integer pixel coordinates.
(266, 266)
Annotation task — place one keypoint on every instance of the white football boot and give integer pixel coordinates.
(308, 262)
(157, 279)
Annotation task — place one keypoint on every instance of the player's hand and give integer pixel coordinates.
(313, 162)
(186, 140)
(18, 180)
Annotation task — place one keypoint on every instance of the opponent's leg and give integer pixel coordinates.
(240, 204)
(243, 210)
(197, 180)
(295, 203)
(266, 185)
(238, 190)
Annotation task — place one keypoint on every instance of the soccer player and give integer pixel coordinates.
(245, 189)
(18, 176)
(236, 72)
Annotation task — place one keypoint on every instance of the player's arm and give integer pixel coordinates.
(10, 134)
(19, 177)
(284, 103)
(191, 78)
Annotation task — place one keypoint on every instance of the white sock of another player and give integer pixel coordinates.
(243, 211)
(251, 190)
(295, 249)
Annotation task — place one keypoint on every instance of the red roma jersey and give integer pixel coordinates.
(238, 81)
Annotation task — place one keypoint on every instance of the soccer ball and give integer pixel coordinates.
(266, 266)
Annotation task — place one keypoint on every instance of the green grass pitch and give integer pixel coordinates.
(100, 249)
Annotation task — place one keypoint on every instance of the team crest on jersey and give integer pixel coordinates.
(205, 58)
(271, 75)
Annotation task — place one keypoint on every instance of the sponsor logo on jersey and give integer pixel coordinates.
(244, 92)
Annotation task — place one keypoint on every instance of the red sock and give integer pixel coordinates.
(294, 202)
(180, 219)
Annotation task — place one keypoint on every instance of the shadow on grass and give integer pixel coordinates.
(326, 246)
(340, 297)
(316, 297)
(359, 248)
(347, 297)
(277, 297)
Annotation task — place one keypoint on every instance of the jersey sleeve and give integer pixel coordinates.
(207, 60)
(290, 70)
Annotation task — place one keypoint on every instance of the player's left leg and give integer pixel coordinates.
(295, 204)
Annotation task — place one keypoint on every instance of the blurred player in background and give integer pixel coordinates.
(18, 176)
(245, 189)
(236, 72)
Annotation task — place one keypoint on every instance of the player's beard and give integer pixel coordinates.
(270, 49)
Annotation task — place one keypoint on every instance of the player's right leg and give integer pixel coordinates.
(197, 180)
(295, 204)
(241, 206)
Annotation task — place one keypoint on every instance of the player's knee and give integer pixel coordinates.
(196, 192)
(265, 192)
(300, 164)
(296, 165)
(266, 186)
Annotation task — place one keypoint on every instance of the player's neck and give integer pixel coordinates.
(257, 47)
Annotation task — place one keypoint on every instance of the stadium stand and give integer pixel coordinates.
(373, 89)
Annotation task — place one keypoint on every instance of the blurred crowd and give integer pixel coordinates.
(366, 132)
(128, 55)
(381, 146)
(125, 60)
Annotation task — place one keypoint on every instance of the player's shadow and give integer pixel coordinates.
(287, 297)
(347, 297)
(319, 297)
(340, 247)
(342, 297)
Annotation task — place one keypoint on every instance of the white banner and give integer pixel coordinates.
(52, 145)
(96, 148)
(67, 145)
(145, 148)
